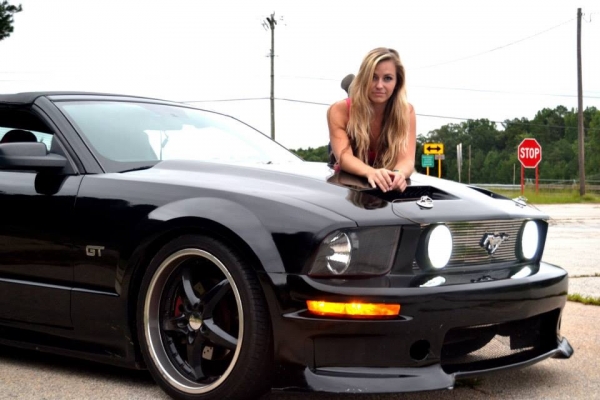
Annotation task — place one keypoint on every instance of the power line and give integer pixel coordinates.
(304, 101)
(429, 87)
(307, 77)
(504, 92)
(336, 80)
(495, 48)
(420, 115)
(508, 122)
(455, 88)
(590, 15)
(222, 100)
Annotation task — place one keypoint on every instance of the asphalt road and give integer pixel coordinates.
(573, 238)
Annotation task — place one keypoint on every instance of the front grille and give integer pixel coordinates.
(483, 347)
(467, 251)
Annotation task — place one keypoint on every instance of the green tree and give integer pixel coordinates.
(592, 145)
(481, 134)
(6, 18)
(515, 131)
(494, 148)
(548, 126)
(319, 154)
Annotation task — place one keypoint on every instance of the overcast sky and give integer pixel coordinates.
(464, 59)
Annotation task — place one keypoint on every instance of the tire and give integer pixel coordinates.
(202, 322)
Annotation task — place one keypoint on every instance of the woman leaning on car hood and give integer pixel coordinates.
(373, 131)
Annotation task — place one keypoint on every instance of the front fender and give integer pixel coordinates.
(230, 215)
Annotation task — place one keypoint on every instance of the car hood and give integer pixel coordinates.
(342, 193)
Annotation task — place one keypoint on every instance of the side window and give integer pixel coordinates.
(11, 135)
(22, 124)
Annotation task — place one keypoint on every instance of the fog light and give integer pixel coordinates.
(529, 240)
(439, 246)
(353, 310)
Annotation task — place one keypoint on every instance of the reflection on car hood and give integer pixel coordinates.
(342, 193)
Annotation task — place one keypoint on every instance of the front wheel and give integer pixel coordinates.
(203, 325)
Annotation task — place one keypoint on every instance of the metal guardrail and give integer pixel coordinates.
(592, 187)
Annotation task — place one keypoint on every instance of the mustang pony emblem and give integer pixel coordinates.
(491, 241)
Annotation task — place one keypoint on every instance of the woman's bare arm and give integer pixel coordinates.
(337, 120)
(405, 163)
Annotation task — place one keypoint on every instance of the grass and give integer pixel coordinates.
(551, 196)
(588, 300)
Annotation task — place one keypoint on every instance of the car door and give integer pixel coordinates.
(36, 251)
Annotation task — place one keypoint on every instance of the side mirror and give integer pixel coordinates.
(28, 155)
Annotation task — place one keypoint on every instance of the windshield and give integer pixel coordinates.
(128, 135)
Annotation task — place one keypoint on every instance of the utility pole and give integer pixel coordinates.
(580, 106)
(469, 164)
(459, 160)
(271, 25)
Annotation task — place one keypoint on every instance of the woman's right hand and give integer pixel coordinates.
(381, 178)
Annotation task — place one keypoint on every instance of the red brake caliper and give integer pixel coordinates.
(178, 306)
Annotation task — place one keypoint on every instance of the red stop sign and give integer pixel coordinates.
(529, 153)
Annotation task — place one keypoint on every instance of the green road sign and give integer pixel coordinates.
(427, 160)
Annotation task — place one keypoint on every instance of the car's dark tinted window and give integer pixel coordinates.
(122, 133)
(21, 125)
(42, 137)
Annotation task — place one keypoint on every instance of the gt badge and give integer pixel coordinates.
(491, 241)
(93, 251)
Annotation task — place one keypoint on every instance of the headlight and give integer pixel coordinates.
(340, 254)
(435, 248)
(356, 252)
(529, 241)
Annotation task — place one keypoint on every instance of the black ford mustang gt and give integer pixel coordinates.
(150, 234)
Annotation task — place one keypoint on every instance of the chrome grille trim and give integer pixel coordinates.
(467, 235)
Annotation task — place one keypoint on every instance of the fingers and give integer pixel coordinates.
(402, 186)
(399, 182)
(387, 180)
(388, 177)
(382, 178)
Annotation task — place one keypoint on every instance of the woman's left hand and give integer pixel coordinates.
(398, 182)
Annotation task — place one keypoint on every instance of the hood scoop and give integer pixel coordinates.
(411, 193)
(422, 195)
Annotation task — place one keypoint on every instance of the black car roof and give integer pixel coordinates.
(30, 97)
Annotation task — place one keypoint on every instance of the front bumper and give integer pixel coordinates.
(497, 325)
(393, 380)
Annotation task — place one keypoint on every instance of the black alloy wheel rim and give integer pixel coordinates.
(193, 317)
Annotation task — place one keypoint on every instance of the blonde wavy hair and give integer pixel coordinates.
(394, 132)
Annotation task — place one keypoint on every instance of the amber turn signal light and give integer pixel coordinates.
(353, 310)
